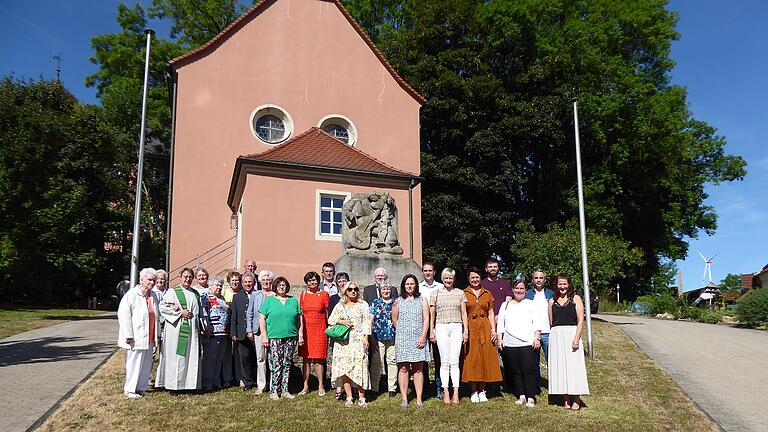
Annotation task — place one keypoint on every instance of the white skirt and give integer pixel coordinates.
(567, 371)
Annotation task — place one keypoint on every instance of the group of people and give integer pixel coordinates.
(211, 337)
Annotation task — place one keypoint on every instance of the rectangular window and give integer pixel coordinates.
(330, 214)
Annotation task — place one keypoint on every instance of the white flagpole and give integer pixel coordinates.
(140, 169)
(583, 233)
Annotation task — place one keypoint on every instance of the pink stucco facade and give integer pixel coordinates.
(306, 57)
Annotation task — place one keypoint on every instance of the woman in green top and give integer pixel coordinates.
(281, 325)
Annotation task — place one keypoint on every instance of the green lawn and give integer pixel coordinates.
(629, 393)
(15, 319)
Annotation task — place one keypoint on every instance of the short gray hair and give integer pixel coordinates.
(266, 273)
(448, 272)
(161, 272)
(248, 274)
(216, 279)
(146, 272)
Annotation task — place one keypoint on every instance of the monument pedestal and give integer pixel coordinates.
(361, 267)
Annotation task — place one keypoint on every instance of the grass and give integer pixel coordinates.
(14, 319)
(629, 393)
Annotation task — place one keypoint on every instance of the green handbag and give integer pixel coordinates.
(339, 332)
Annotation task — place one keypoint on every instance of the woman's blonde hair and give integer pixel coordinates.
(343, 294)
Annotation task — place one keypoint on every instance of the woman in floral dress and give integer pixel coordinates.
(350, 357)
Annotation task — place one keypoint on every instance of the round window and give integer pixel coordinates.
(271, 124)
(339, 127)
(270, 128)
(337, 131)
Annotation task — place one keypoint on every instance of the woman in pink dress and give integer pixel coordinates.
(314, 304)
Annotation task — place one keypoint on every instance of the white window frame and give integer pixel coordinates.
(277, 111)
(342, 121)
(319, 193)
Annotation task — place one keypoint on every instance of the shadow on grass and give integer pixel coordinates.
(80, 317)
(46, 350)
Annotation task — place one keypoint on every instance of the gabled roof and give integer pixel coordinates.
(316, 155)
(316, 148)
(260, 6)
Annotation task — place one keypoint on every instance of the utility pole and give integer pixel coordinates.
(57, 57)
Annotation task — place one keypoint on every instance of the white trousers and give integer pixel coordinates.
(261, 363)
(449, 343)
(138, 366)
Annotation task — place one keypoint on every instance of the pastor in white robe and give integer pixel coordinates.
(174, 371)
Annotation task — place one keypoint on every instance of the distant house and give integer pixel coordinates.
(750, 281)
(704, 295)
(278, 121)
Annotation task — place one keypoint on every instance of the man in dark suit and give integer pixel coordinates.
(371, 292)
(246, 355)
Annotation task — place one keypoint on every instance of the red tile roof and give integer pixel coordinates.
(316, 148)
(256, 9)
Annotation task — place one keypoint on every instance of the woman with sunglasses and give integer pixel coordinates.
(350, 357)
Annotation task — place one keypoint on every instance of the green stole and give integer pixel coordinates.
(181, 346)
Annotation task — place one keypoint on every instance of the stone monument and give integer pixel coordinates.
(370, 240)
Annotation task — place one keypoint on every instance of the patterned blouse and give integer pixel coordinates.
(447, 305)
(381, 312)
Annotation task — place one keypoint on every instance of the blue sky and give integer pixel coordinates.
(720, 59)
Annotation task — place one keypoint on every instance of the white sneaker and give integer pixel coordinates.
(475, 398)
(132, 395)
(483, 397)
(521, 400)
(531, 403)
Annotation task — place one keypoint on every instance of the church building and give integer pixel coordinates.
(279, 121)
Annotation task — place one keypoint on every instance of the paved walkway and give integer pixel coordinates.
(723, 369)
(39, 367)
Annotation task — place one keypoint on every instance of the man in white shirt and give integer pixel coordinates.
(541, 296)
(426, 288)
(329, 279)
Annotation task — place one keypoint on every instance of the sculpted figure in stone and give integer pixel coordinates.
(370, 224)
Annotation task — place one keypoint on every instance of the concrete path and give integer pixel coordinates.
(723, 369)
(40, 367)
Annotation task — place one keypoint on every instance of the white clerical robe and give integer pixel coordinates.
(176, 372)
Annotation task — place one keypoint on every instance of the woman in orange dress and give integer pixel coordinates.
(481, 362)
(314, 304)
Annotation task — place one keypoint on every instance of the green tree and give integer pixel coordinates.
(60, 192)
(497, 128)
(558, 250)
(731, 282)
(120, 57)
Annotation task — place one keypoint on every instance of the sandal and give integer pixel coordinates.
(339, 394)
(362, 403)
(321, 392)
(349, 403)
(575, 406)
(302, 392)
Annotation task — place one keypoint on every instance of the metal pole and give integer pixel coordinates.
(168, 213)
(140, 169)
(410, 216)
(583, 233)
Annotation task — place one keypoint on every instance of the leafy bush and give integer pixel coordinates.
(658, 304)
(710, 316)
(691, 313)
(752, 309)
(611, 306)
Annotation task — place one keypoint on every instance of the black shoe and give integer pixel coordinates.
(392, 394)
(246, 388)
(440, 394)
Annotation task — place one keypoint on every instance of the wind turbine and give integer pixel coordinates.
(707, 266)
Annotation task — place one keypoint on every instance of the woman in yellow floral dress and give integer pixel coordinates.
(350, 357)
